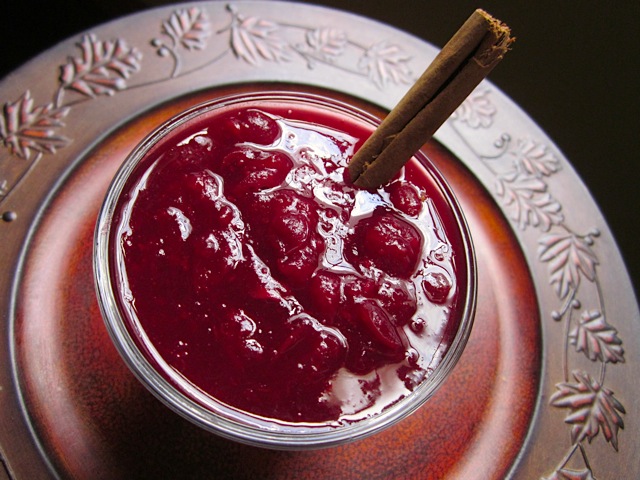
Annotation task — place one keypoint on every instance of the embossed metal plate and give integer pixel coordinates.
(546, 389)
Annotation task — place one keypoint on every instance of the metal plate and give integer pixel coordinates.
(543, 389)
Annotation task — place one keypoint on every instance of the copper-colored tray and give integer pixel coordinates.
(542, 390)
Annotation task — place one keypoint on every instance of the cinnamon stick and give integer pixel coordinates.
(475, 49)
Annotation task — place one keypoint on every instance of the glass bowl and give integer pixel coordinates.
(185, 396)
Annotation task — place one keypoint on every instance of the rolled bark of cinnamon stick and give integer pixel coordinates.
(474, 50)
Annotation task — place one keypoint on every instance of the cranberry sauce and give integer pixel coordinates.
(264, 281)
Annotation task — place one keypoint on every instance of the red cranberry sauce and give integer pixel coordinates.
(264, 280)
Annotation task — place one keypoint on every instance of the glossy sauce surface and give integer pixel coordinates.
(249, 268)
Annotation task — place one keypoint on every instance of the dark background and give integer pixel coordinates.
(574, 69)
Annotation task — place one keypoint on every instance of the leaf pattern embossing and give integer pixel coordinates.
(476, 110)
(254, 38)
(384, 62)
(25, 129)
(597, 339)
(570, 474)
(593, 408)
(535, 158)
(102, 68)
(188, 27)
(528, 202)
(326, 42)
(569, 256)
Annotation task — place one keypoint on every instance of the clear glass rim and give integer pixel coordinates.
(226, 421)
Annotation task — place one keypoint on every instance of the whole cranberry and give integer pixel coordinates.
(251, 126)
(405, 198)
(436, 286)
(386, 241)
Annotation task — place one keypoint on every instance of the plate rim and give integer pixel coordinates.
(465, 134)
